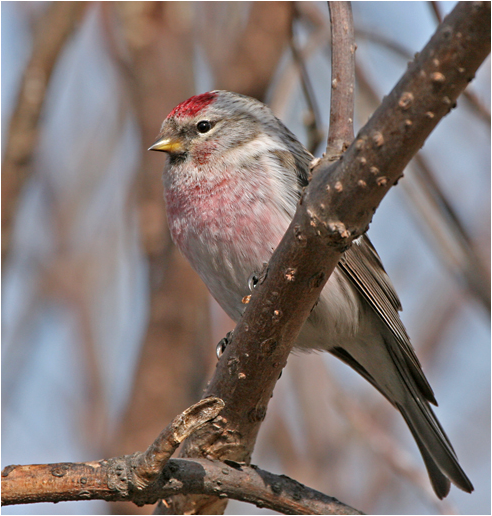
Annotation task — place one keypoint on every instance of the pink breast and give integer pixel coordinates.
(237, 219)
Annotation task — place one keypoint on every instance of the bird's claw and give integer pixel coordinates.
(223, 343)
(252, 281)
(257, 277)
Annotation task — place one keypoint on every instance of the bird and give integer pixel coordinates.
(233, 176)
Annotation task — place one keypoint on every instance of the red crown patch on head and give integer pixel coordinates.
(192, 106)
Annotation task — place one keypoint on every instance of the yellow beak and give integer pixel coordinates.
(167, 145)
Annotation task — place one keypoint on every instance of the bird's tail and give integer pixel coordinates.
(439, 456)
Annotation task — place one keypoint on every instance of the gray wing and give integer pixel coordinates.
(362, 265)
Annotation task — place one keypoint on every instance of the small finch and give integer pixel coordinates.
(232, 181)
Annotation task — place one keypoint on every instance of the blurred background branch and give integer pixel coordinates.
(50, 34)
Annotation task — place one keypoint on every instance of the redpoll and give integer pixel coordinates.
(232, 181)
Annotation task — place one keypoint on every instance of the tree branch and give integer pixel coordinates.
(111, 480)
(312, 120)
(458, 251)
(129, 475)
(144, 478)
(341, 132)
(150, 464)
(56, 25)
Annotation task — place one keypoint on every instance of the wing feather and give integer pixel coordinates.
(362, 265)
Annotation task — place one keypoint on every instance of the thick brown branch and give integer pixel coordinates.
(336, 208)
(448, 234)
(114, 480)
(261, 488)
(131, 476)
(150, 464)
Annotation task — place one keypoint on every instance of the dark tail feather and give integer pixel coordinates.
(439, 481)
(439, 457)
(436, 449)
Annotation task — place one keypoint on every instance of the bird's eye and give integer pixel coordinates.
(204, 126)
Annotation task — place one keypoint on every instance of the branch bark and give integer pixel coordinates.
(341, 132)
(129, 477)
(111, 480)
(144, 478)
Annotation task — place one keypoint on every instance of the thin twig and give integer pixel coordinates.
(458, 256)
(313, 118)
(290, 74)
(341, 132)
(437, 12)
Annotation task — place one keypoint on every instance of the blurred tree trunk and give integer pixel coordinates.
(259, 40)
(156, 54)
